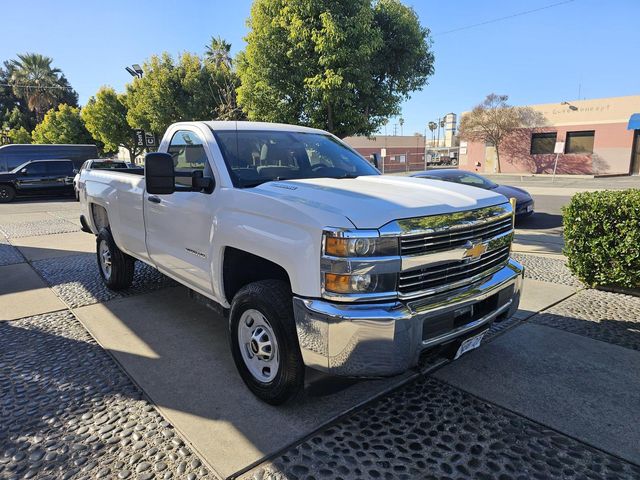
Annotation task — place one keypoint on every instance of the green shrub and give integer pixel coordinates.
(602, 237)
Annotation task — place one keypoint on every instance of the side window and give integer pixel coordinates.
(37, 168)
(59, 168)
(188, 154)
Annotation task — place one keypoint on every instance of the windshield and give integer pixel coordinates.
(20, 167)
(255, 157)
(467, 178)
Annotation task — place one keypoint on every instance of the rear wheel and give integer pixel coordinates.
(116, 267)
(264, 342)
(7, 193)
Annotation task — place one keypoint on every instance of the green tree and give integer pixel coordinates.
(13, 113)
(188, 89)
(19, 135)
(42, 86)
(344, 66)
(62, 125)
(218, 52)
(105, 117)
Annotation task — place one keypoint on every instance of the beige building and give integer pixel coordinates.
(586, 136)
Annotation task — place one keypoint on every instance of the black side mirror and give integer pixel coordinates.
(159, 173)
(373, 158)
(200, 183)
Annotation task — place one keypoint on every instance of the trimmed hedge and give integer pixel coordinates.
(602, 237)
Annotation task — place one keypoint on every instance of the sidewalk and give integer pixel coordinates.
(140, 383)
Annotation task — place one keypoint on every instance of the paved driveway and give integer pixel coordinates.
(139, 384)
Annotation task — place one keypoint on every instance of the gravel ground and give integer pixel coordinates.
(429, 429)
(41, 227)
(76, 280)
(609, 317)
(68, 411)
(546, 269)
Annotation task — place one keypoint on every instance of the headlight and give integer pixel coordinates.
(361, 283)
(359, 246)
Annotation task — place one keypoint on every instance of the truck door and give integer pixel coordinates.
(179, 226)
(33, 178)
(60, 176)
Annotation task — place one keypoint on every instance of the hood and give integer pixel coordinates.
(373, 201)
(8, 176)
(519, 194)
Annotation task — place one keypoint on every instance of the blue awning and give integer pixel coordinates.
(634, 122)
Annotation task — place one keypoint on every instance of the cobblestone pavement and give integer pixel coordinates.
(76, 280)
(609, 317)
(41, 227)
(428, 429)
(8, 253)
(546, 269)
(68, 411)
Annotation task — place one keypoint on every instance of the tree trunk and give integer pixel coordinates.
(498, 170)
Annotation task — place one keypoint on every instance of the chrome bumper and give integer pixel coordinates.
(383, 339)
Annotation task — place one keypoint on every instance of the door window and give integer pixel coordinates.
(35, 169)
(188, 154)
(60, 168)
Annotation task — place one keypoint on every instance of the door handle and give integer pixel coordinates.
(154, 199)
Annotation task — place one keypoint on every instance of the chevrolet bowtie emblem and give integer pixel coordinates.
(475, 251)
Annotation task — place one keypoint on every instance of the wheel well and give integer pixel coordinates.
(100, 217)
(241, 268)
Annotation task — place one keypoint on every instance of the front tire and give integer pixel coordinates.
(116, 267)
(264, 342)
(7, 193)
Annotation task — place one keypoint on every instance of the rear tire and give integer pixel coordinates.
(264, 342)
(116, 267)
(7, 193)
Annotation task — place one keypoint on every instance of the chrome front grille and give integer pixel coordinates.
(453, 238)
(442, 253)
(450, 275)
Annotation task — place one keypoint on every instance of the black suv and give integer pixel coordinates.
(38, 177)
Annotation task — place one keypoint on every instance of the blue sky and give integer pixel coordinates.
(547, 56)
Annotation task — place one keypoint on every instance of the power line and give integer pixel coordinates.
(519, 14)
(61, 87)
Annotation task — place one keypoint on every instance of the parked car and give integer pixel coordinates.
(524, 202)
(37, 177)
(100, 164)
(316, 259)
(12, 156)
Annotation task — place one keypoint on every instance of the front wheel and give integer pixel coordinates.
(116, 267)
(7, 193)
(264, 342)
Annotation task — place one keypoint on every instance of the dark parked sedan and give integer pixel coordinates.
(524, 202)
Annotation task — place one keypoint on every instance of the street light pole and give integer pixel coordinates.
(135, 70)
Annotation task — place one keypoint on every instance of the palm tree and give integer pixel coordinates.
(218, 52)
(36, 81)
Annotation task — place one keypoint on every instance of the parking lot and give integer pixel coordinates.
(141, 384)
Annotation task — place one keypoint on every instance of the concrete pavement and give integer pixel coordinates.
(175, 351)
(582, 387)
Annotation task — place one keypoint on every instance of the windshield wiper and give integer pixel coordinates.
(347, 175)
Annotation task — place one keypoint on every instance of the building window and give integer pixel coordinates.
(579, 142)
(542, 143)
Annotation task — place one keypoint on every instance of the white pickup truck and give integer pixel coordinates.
(316, 258)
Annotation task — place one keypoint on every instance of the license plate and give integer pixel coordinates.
(469, 344)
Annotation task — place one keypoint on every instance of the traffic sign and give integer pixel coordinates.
(138, 137)
(150, 139)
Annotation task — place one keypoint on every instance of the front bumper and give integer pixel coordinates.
(382, 339)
